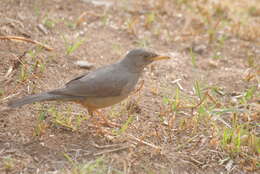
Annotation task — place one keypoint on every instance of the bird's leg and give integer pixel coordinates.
(96, 123)
(93, 117)
(106, 122)
(138, 89)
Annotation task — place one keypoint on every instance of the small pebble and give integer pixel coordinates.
(199, 49)
(84, 64)
(42, 29)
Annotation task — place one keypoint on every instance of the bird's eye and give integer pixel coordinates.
(146, 55)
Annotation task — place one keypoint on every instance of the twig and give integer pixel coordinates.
(197, 105)
(10, 20)
(81, 17)
(15, 66)
(201, 101)
(48, 48)
(143, 142)
(189, 162)
(18, 62)
(13, 69)
(189, 140)
(196, 161)
(42, 29)
(175, 81)
(178, 84)
(110, 151)
(10, 96)
(223, 121)
(213, 100)
(9, 71)
(105, 146)
(1, 151)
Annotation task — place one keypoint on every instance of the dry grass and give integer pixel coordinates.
(205, 121)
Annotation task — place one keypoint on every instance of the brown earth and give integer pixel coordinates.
(30, 144)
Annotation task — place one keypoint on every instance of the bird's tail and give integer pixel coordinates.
(34, 98)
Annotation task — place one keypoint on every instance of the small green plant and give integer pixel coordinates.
(176, 102)
(36, 60)
(131, 24)
(221, 41)
(202, 110)
(69, 159)
(105, 19)
(37, 11)
(197, 89)
(166, 100)
(150, 18)
(211, 34)
(71, 24)
(41, 125)
(251, 61)
(42, 66)
(235, 139)
(1, 92)
(71, 47)
(117, 48)
(23, 73)
(97, 166)
(142, 43)
(49, 23)
(9, 163)
(35, 52)
(193, 58)
(253, 11)
(232, 140)
(125, 125)
(217, 54)
(183, 2)
(248, 94)
(67, 119)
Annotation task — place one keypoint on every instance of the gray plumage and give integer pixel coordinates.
(100, 88)
(45, 96)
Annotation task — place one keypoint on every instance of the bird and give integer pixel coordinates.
(103, 87)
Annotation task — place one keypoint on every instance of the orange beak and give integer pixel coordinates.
(159, 58)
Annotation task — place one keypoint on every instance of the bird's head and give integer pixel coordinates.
(136, 59)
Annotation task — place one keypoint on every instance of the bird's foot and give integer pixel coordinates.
(105, 122)
(97, 129)
(108, 123)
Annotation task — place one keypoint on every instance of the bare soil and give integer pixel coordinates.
(108, 29)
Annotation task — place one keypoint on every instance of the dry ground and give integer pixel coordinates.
(197, 113)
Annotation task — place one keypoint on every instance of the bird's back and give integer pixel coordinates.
(108, 81)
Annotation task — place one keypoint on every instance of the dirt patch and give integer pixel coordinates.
(215, 64)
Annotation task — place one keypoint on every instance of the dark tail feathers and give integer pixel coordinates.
(34, 98)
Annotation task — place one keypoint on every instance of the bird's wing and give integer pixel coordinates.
(104, 82)
(76, 78)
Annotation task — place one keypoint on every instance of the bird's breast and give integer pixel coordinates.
(130, 85)
(101, 102)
